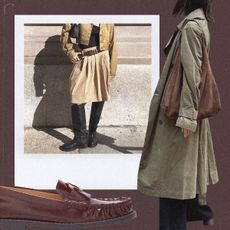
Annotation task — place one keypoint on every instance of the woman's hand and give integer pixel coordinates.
(186, 132)
(76, 58)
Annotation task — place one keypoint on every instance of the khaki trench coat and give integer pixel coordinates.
(172, 166)
(107, 42)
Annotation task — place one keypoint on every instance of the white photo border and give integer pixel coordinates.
(88, 171)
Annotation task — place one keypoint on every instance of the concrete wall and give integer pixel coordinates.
(47, 70)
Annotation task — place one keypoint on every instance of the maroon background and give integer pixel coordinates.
(147, 207)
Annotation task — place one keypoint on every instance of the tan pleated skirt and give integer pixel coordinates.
(90, 79)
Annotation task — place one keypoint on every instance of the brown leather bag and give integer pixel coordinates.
(209, 103)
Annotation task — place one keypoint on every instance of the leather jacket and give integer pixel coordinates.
(107, 42)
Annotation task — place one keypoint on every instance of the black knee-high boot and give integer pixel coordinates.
(79, 129)
(95, 116)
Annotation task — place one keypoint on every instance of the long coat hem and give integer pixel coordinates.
(165, 194)
(175, 195)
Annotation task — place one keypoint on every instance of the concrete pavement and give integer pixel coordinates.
(112, 140)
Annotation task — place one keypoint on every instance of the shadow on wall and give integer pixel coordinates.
(51, 82)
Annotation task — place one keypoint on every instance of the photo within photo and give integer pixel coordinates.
(87, 92)
(83, 86)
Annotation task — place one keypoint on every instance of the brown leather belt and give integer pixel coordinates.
(90, 52)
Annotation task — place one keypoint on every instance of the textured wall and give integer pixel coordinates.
(47, 70)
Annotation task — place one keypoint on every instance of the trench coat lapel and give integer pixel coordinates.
(170, 42)
(196, 14)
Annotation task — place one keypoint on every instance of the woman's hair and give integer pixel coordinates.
(187, 6)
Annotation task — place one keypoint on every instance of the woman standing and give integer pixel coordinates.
(178, 161)
(95, 60)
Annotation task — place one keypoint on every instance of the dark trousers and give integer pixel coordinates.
(172, 214)
(175, 213)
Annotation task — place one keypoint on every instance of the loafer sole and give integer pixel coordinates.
(18, 224)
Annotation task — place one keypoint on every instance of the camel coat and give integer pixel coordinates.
(172, 166)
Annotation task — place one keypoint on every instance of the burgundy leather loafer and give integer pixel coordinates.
(68, 208)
